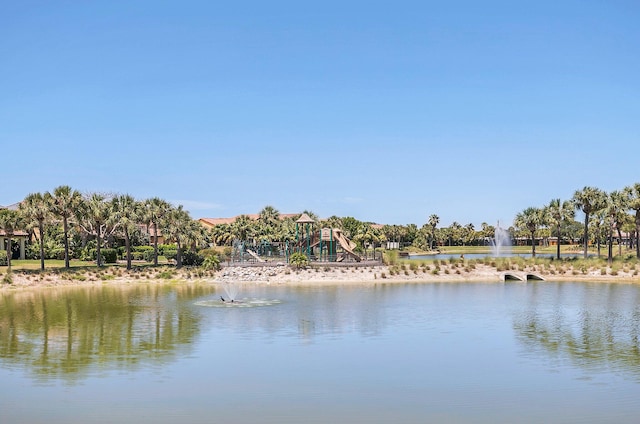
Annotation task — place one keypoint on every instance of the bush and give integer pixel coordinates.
(142, 249)
(109, 256)
(148, 255)
(191, 258)
(57, 253)
(3, 258)
(164, 248)
(390, 257)
(170, 254)
(211, 262)
(205, 253)
(298, 259)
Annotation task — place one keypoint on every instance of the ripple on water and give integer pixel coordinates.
(239, 303)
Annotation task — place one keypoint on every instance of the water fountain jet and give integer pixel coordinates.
(501, 242)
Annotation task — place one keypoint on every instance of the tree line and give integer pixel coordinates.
(75, 221)
(606, 216)
(68, 220)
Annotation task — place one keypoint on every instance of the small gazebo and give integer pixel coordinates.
(19, 235)
(306, 222)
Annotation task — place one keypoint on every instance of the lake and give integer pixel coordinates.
(411, 353)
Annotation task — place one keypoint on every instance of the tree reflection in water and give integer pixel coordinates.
(69, 333)
(594, 327)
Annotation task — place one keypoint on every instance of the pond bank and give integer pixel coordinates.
(314, 275)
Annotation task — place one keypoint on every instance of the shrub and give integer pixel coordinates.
(148, 255)
(191, 258)
(142, 249)
(211, 262)
(56, 253)
(205, 253)
(109, 256)
(298, 259)
(164, 248)
(165, 275)
(3, 258)
(391, 257)
(170, 254)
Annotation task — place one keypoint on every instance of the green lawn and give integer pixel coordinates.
(34, 264)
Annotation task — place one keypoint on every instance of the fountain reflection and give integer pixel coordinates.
(69, 332)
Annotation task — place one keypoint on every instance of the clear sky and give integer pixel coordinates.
(384, 111)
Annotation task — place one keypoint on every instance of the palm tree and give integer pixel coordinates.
(177, 225)
(530, 219)
(616, 211)
(221, 235)
(9, 223)
(635, 205)
(589, 200)
(154, 210)
(65, 203)
(558, 213)
(36, 209)
(268, 225)
(125, 212)
(434, 220)
(269, 215)
(368, 235)
(469, 234)
(96, 214)
(242, 227)
(455, 232)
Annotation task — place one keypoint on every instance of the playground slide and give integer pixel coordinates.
(252, 253)
(347, 246)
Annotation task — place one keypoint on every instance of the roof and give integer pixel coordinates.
(305, 219)
(13, 207)
(212, 222)
(16, 233)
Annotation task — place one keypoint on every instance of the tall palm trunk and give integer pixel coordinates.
(9, 253)
(127, 245)
(178, 254)
(638, 233)
(533, 244)
(619, 242)
(155, 243)
(610, 246)
(98, 242)
(558, 244)
(65, 227)
(41, 232)
(586, 234)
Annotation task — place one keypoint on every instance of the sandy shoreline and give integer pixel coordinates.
(316, 276)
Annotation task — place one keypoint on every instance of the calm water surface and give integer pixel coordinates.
(452, 353)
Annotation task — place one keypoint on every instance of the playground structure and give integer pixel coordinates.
(324, 245)
(331, 245)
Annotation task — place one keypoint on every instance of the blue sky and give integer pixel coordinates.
(384, 111)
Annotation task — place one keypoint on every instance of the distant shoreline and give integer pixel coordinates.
(315, 276)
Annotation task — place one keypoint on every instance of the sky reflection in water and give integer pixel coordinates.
(468, 352)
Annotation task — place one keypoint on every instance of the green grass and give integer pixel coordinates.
(34, 264)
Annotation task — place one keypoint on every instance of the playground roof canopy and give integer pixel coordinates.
(305, 219)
